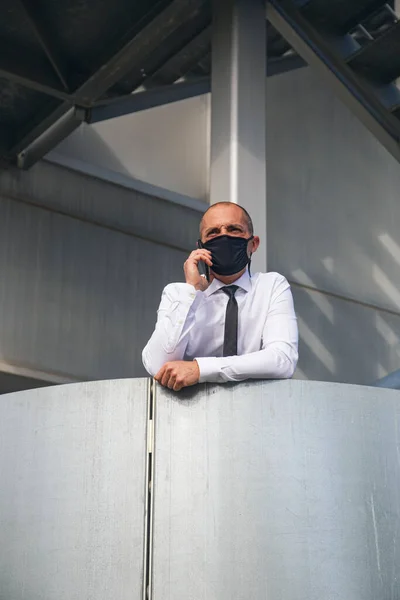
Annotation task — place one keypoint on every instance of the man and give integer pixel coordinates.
(233, 327)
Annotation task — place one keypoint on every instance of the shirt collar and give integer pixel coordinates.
(244, 282)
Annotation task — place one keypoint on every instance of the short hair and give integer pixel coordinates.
(247, 217)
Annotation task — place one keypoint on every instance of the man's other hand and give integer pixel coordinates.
(178, 374)
(190, 267)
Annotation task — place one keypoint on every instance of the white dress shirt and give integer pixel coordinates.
(190, 325)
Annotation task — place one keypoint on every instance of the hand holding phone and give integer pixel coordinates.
(197, 268)
(204, 270)
(202, 266)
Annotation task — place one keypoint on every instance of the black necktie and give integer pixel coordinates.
(231, 322)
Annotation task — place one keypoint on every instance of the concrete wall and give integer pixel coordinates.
(333, 215)
(167, 146)
(333, 225)
(271, 490)
(82, 264)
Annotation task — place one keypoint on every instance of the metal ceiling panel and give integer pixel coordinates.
(379, 60)
(76, 53)
(339, 16)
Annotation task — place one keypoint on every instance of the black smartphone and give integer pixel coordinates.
(204, 269)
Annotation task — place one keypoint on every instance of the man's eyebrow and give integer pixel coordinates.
(209, 229)
(218, 227)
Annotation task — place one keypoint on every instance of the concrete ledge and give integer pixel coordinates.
(268, 489)
(129, 183)
(106, 203)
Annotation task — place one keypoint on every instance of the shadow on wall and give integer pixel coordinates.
(334, 216)
(77, 299)
(87, 145)
(166, 146)
(354, 343)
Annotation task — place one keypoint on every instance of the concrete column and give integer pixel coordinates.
(238, 111)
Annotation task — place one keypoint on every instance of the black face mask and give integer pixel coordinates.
(229, 253)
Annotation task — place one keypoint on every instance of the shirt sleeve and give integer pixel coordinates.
(278, 357)
(175, 319)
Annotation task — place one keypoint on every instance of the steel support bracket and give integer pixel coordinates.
(355, 92)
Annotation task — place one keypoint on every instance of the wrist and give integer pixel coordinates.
(201, 284)
(191, 281)
(197, 367)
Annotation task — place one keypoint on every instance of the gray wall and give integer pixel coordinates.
(156, 146)
(79, 291)
(282, 490)
(334, 225)
(83, 261)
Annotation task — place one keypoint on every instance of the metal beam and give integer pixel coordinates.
(51, 130)
(177, 47)
(238, 111)
(51, 138)
(33, 14)
(181, 62)
(160, 26)
(117, 107)
(30, 151)
(339, 17)
(35, 128)
(380, 59)
(141, 44)
(355, 92)
(291, 62)
(149, 99)
(31, 74)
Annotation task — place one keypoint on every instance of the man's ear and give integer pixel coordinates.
(255, 242)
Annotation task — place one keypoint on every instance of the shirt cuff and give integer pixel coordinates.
(209, 369)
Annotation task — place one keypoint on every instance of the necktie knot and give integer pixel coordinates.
(230, 290)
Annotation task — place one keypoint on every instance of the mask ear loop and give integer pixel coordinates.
(249, 262)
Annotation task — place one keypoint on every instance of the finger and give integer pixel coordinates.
(158, 376)
(203, 250)
(169, 378)
(171, 381)
(193, 261)
(165, 380)
(165, 377)
(178, 385)
(207, 257)
(198, 255)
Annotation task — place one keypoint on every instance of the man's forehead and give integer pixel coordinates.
(223, 215)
